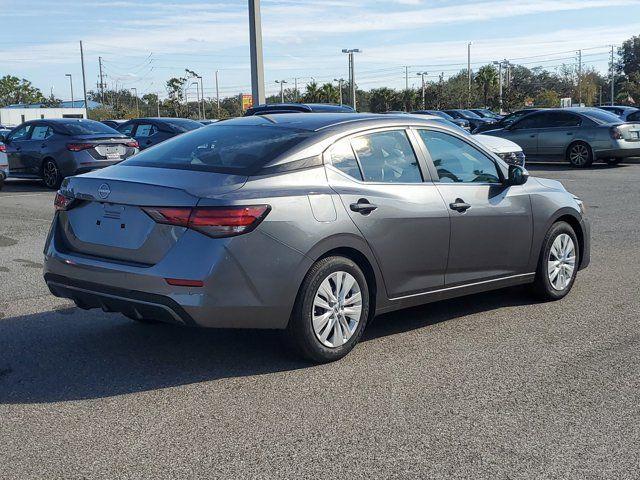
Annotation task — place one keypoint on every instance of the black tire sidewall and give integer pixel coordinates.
(543, 284)
(589, 159)
(301, 323)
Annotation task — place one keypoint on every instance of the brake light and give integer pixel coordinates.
(77, 147)
(616, 134)
(62, 202)
(133, 144)
(212, 221)
(180, 282)
(3, 147)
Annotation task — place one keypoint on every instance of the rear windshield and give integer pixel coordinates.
(88, 127)
(236, 149)
(182, 124)
(470, 114)
(602, 116)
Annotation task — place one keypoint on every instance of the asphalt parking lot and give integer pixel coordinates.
(494, 386)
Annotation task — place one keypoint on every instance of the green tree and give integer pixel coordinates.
(547, 98)
(312, 92)
(486, 79)
(383, 99)
(16, 90)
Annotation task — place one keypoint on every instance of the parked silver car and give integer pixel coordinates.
(4, 164)
(577, 135)
(309, 223)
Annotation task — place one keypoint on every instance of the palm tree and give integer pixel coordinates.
(329, 93)
(486, 78)
(312, 92)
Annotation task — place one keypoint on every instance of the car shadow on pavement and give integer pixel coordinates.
(561, 166)
(71, 354)
(13, 185)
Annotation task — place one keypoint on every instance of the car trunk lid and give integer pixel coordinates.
(108, 219)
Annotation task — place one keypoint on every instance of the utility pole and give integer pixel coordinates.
(101, 80)
(135, 92)
(199, 77)
(579, 78)
(281, 82)
(613, 77)
(217, 97)
(352, 73)
(499, 83)
(255, 46)
(340, 82)
(295, 89)
(469, 73)
(441, 89)
(158, 100)
(406, 77)
(424, 102)
(84, 82)
(71, 86)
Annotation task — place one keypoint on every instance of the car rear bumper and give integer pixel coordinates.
(250, 281)
(629, 149)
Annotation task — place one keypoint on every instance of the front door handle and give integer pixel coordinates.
(459, 205)
(363, 206)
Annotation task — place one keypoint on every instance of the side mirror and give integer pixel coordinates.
(517, 175)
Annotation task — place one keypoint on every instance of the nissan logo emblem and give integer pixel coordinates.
(104, 190)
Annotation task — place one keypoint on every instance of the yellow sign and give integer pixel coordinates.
(247, 101)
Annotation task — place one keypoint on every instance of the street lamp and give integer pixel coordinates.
(352, 73)
(135, 92)
(340, 82)
(469, 72)
(499, 64)
(424, 103)
(71, 86)
(281, 82)
(197, 96)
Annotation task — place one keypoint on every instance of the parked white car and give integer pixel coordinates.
(507, 150)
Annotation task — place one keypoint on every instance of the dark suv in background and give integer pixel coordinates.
(57, 148)
(151, 131)
(271, 108)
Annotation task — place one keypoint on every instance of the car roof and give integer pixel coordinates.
(322, 121)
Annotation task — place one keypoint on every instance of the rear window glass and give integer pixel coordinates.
(182, 124)
(87, 127)
(602, 116)
(238, 149)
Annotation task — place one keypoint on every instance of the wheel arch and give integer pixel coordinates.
(570, 217)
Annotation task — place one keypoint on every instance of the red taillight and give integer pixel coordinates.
(62, 202)
(3, 147)
(77, 147)
(180, 282)
(133, 144)
(616, 134)
(212, 221)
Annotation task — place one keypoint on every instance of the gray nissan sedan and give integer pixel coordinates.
(311, 224)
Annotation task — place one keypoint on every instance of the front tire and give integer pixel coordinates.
(558, 262)
(580, 155)
(331, 310)
(51, 176)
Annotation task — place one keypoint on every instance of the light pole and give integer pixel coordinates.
(340, 82)
(71, 86)
(255, 47)
(424, 102)
(201, 96)
(135, 92)
(281, 82)
(499, 64)
(352, 73)
(469, 72)
(197, 96)
(612, 77)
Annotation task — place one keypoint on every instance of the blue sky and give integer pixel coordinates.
(145, 42)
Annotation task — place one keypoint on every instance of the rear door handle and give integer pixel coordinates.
(363, 206)
(459, 205)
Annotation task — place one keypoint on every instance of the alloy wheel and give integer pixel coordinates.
(561, 262)
(337, 308)
(50, 174)
(579, 154)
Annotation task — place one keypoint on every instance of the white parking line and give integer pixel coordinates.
(25, 195)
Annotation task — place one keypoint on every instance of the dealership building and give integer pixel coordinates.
(16, 114)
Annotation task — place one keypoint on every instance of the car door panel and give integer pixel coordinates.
(17, 146)
(491, 223)
(405, 223)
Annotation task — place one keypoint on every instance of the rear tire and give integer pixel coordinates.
(331, 310)
(1, 182)
(51, 176)
(613, 161)
(580, 155)
(558, 263)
